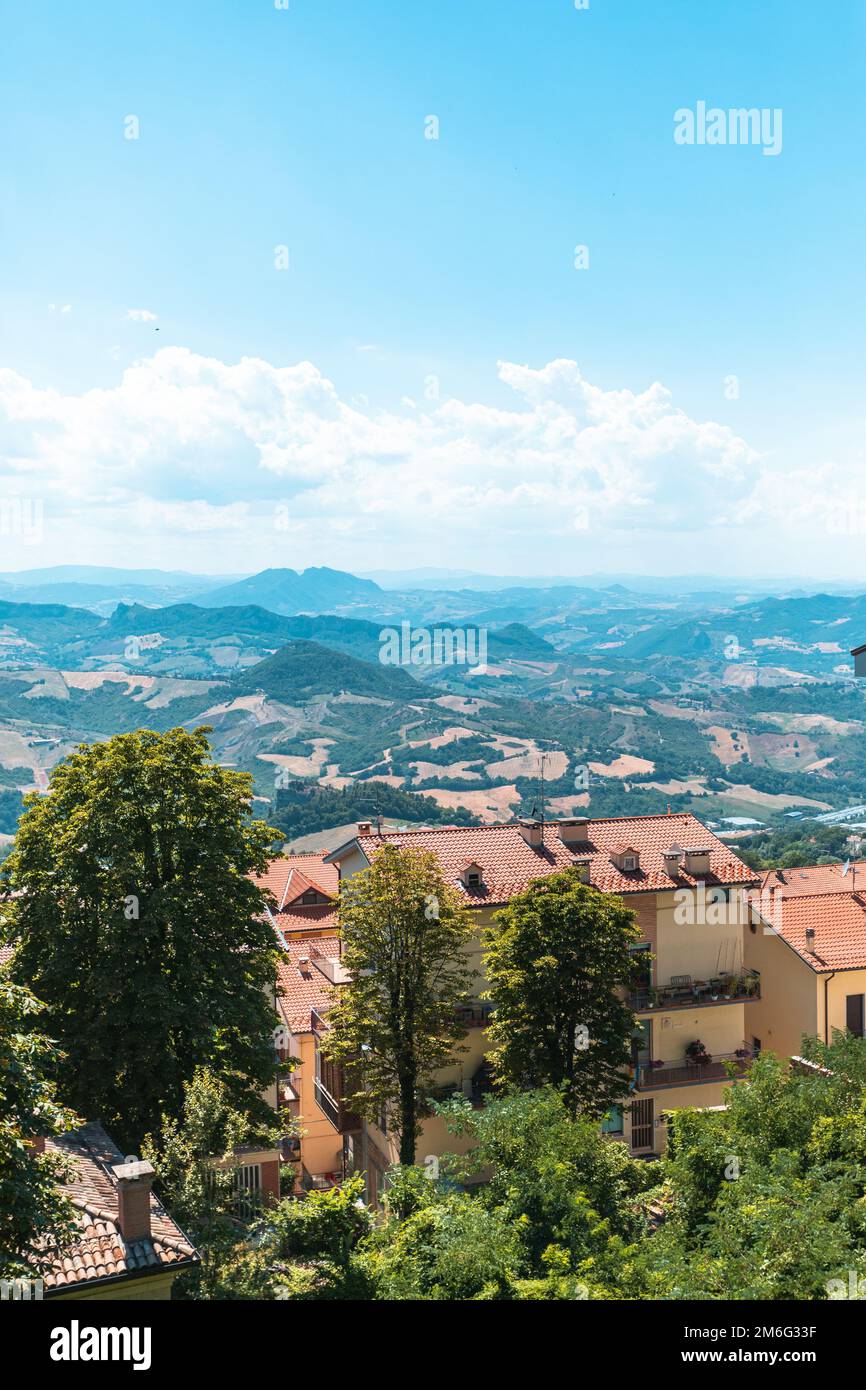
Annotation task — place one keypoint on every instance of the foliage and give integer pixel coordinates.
(406, 935)
(556, 958)
(304, 807)
(792, 848)
(136, 921)
(196, 1174)
(31, 1204)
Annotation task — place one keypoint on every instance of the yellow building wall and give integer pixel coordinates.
(721, 1029)
(843, 983)
(154, 1288)
(321, 1145)
(788, 1006)
(674, 1098)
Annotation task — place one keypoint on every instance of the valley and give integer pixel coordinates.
(621, 702)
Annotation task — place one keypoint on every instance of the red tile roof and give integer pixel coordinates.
(285, 874)
(99, 1251)
(303, 987)
(508, 863)
(839, 923)
(816, 878)
(315, 918)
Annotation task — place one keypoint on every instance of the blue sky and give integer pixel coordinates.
(415, 267)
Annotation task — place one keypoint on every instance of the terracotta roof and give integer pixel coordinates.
(815, 878)
(284, 873)
(5, 954)
(304, 987)
(509, 863)
(100, 1252)
(314, 918)
(839, 923)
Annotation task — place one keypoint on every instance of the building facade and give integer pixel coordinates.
(690, 894)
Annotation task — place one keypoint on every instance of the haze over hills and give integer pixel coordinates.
(726, 704)
(323, 589)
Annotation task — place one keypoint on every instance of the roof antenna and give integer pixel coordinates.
(543, 756)
(377, 807)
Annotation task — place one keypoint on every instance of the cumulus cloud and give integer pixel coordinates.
(250, 454)
(141, 315)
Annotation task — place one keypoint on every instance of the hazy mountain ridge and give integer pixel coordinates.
(636, 702)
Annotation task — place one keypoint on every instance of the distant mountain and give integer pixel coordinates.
(303, 669)
(289, 592)
(683, 639)
(106, 574)
(41, 625)
(518, 641)
(353, 636)
(101, 588)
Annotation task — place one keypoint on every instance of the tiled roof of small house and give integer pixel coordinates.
(98, 1251)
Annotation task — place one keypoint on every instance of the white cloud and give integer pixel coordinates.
(193, 458)
(141, 315)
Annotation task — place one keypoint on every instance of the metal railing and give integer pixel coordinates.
(698, 994)
(693, 1070)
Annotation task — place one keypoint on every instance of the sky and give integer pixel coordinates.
(379, 286)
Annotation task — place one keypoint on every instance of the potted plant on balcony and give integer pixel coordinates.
(697, 1054)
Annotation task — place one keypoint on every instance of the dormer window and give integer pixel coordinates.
(472, 876)
(626, 858)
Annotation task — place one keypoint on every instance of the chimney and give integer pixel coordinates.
(532, 832)
(364, 827)
(810, 938)
(697, 862)
(133, 1199)
(574, 834)
(671, 859)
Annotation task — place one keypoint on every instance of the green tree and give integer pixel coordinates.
(768, 1196)
(31, 1203)
(315, 1243)
(135, 920)
(196, 1169)
(406, 936)
(557, 959)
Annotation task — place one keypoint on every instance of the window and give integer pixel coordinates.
(613, 1121)
(854, 1014)
(642, 1125)
(756, 1045)
(249, 1188)
(629, 863)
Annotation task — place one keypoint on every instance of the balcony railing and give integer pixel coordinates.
(343, 1119)
(652, 1076)
(697, 994)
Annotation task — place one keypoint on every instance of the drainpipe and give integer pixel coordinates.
(827, 979)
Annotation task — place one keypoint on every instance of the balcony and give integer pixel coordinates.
(723, 1066)
(685, 993)
(343, 1119)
